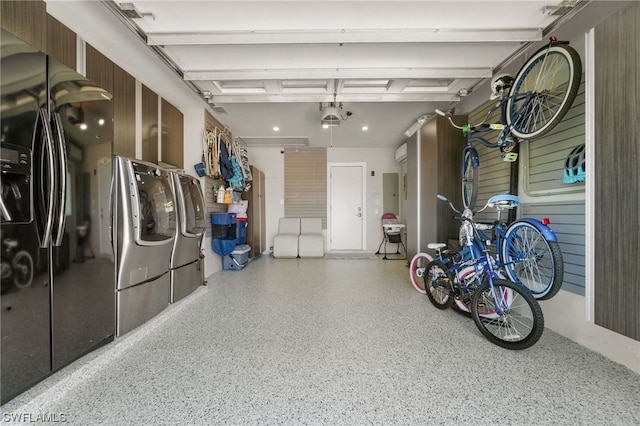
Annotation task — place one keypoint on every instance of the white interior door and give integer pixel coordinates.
(346, 207)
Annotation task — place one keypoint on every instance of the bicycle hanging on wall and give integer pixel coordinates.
(538, 99)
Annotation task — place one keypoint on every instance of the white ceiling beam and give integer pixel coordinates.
(343, 97)
(378, 35)
(273, 86)
(337, 73)
(397, 85)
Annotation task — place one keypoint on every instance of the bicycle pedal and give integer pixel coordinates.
(509, 157)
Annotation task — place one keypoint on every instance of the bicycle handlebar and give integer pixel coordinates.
(443, 198)
(466, 128)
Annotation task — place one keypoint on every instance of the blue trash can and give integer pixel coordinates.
(241, 229)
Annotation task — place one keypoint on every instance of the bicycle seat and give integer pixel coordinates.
(504, 201)
(436, 246)
(10, 243)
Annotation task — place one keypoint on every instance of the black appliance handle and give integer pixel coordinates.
(62, 164)
(42, 122)
(4, 211)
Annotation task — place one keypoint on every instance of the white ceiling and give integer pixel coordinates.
(261, 64)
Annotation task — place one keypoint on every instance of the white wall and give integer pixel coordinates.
(193, 130)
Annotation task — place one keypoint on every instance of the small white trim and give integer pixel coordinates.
(159, 128)
(81, 56)
(590, 179)
(138, 103)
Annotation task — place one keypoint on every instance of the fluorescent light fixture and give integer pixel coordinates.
(416, 126)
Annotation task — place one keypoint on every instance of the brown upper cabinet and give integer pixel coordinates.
(61, 42)
(26, 20)
(124, 113)
(149, 125)
(99, 68)
(172, 135)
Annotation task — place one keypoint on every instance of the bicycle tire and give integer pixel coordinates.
(521, 322)
(22, 264)
(417, 267)
(553, 88)
(470, 181)
(435, 279)
(532, 261)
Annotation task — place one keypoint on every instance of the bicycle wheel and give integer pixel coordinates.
(469, 181)
(508, 315)
(417, 268)
(22, 269)
(437, 285)
(532, 261)
(543, 91)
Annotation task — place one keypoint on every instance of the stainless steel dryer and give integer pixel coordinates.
(186, 265)
(144, 229)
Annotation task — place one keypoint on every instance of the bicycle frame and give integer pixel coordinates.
(470, 131)
(474, 254)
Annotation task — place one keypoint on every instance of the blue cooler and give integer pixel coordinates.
(237, 259)
(241, 231)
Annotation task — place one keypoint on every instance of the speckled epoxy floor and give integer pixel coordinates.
(328, 342)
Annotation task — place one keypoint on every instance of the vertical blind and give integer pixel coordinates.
(305, 183)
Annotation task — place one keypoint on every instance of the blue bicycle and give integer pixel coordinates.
(527, 249)
(538, 99)
(504, 312)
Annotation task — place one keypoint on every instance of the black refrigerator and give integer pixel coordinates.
(58, 275)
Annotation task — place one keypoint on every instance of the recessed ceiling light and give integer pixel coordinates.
(365, 128)
(276, 128)
(101, 122)
(325, 126)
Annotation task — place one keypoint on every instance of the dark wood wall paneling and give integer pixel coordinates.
(99, 68)
(433, 167)
(256, 221)
(61, 42)
(124, 113)
(172, 135)
(102, 71)
(149, 125)
(617, 172)
(440, 152)
(25, 19)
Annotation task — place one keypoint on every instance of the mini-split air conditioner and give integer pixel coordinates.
(401, 153)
